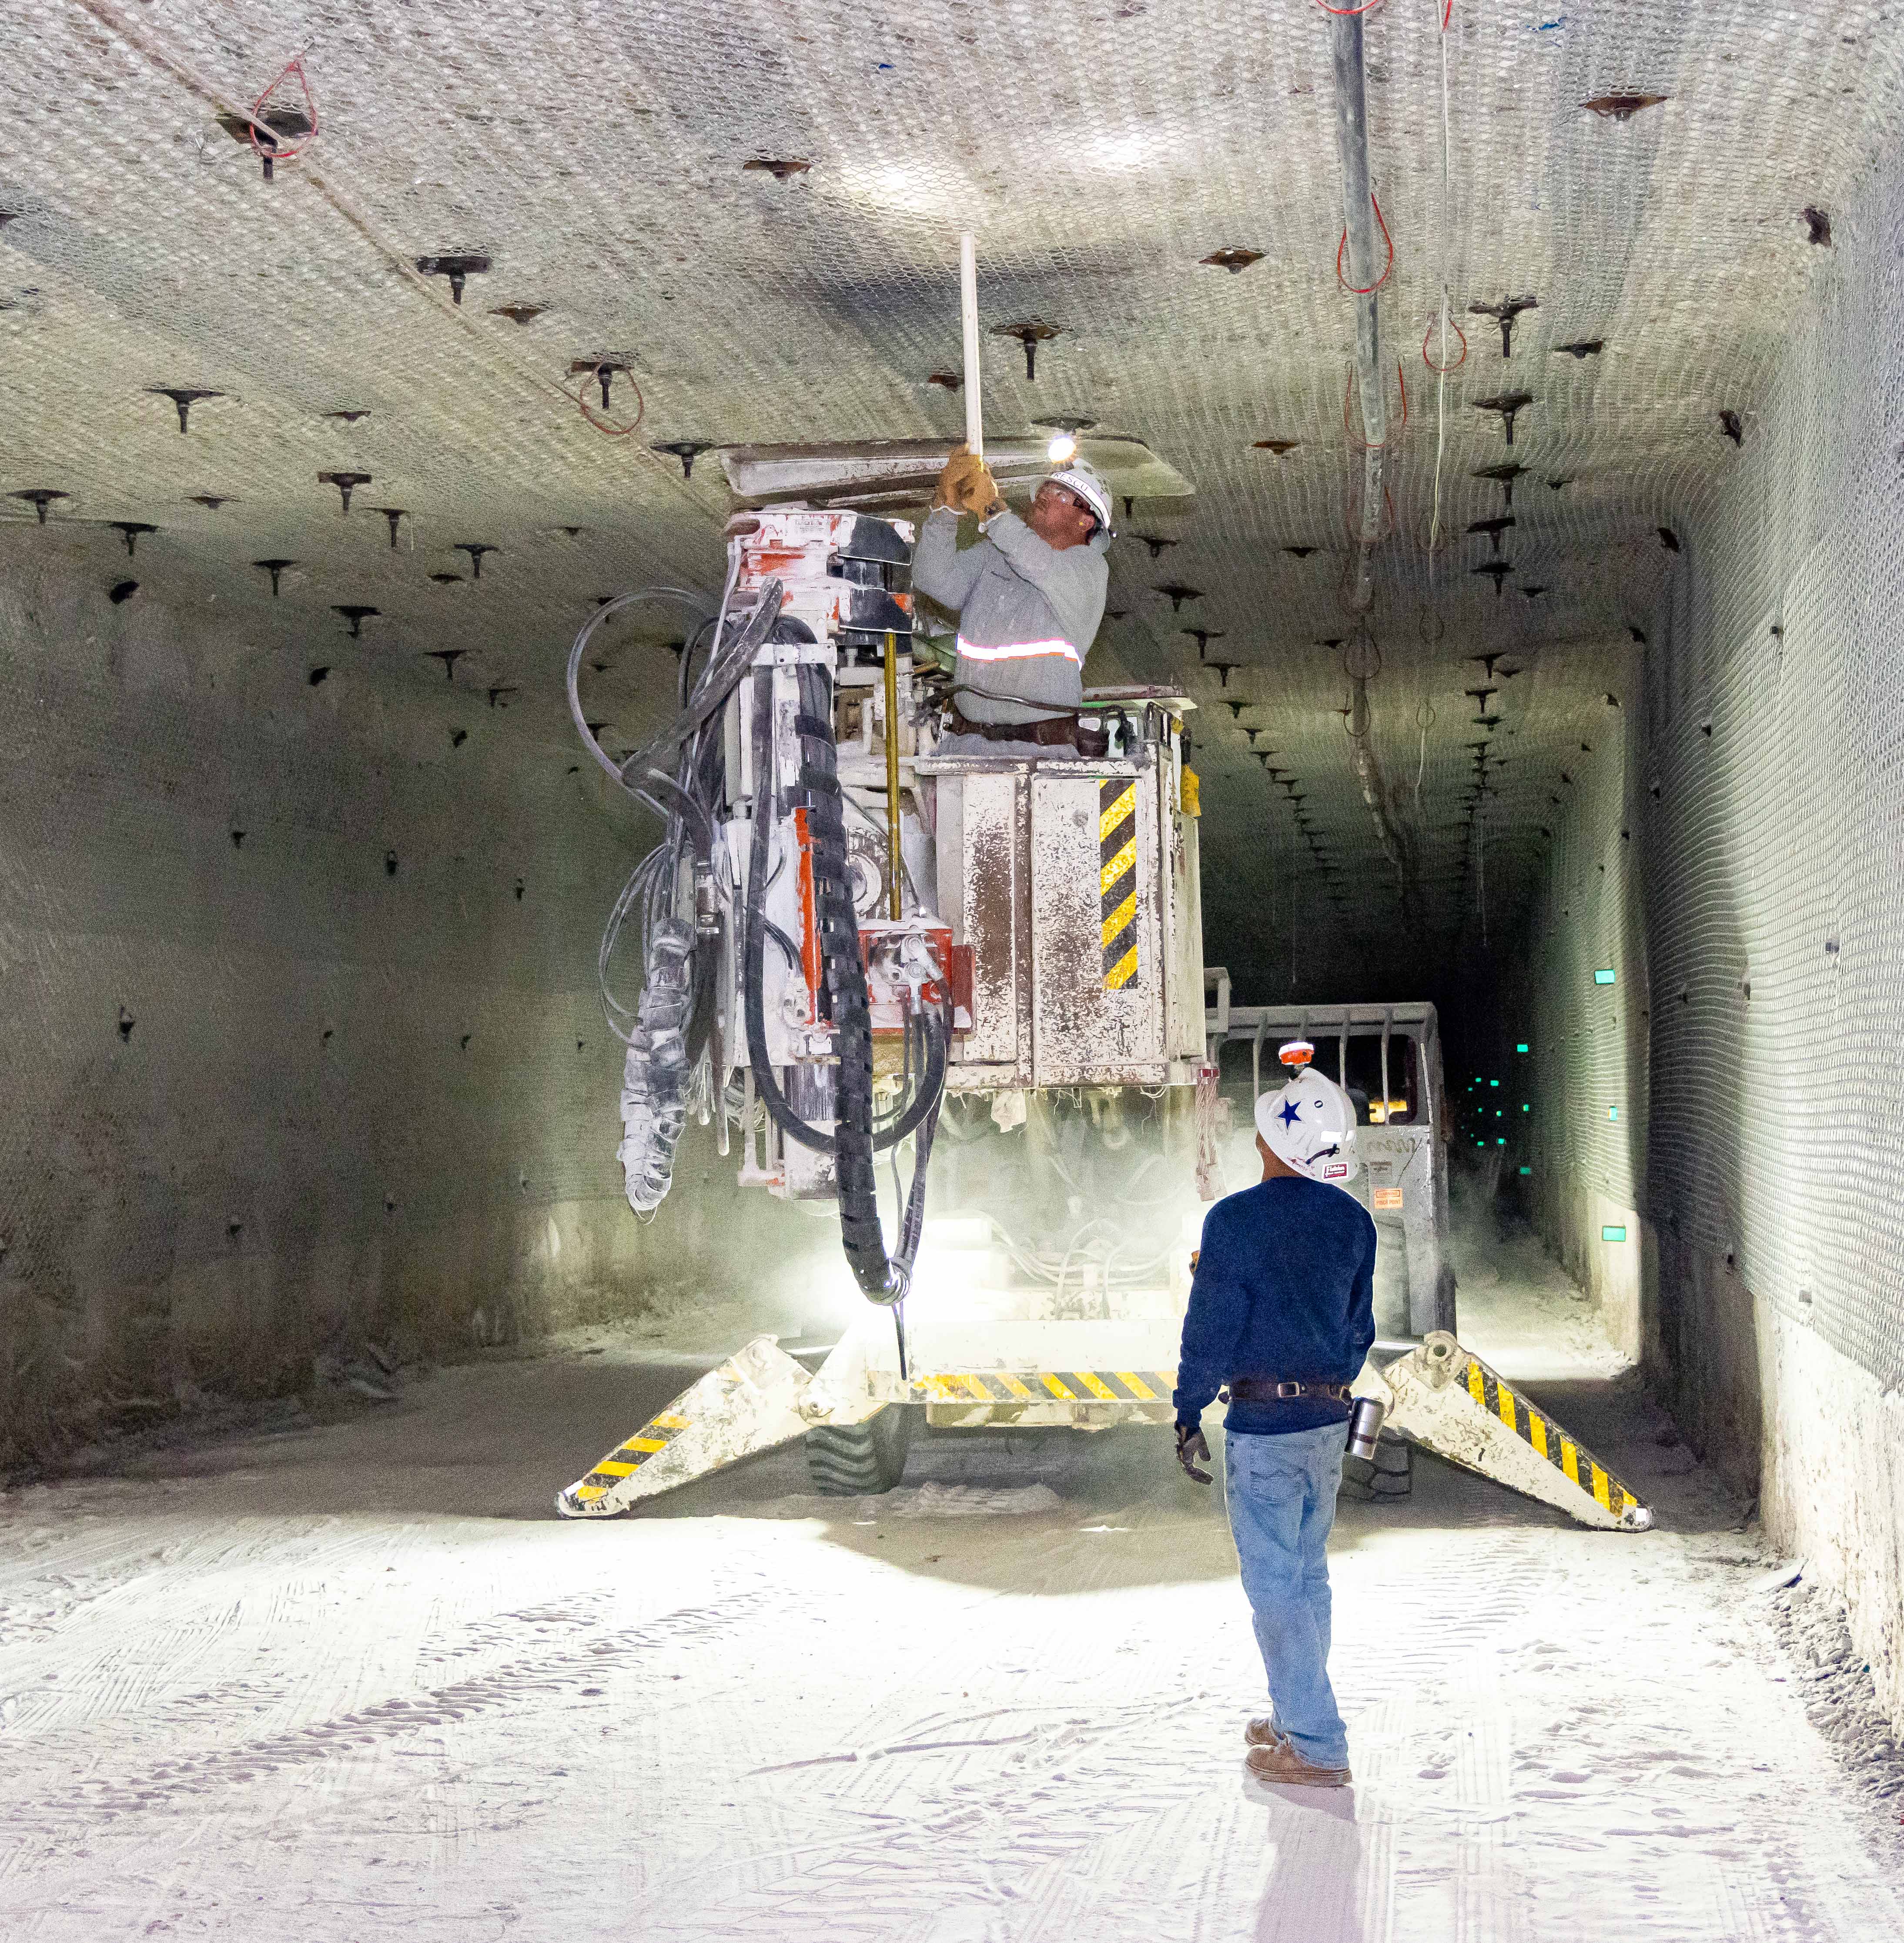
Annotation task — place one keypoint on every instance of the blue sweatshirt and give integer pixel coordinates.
(1284, 1288)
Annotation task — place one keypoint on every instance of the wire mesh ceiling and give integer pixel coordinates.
(748, 213)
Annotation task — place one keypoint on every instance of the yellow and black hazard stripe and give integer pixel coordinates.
(625, 1458)
(1047, 1387)
(1117, 878)
(1534, 1427)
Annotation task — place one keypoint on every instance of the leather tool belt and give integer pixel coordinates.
(1269, 1389)
(1055, 731)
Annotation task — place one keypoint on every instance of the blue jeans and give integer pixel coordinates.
(1281, 1496)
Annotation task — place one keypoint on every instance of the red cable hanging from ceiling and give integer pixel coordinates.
(607, 427)
(1442, 370)
(278, 152)
(1387, 268)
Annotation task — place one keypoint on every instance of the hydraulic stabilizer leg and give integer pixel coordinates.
(747, 1404)
(759, 1398)
(1451, 1402)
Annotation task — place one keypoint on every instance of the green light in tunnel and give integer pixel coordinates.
(1522, 1046)
(1494, 1082)
(1501, 1143)
(1525, 1108)
(1605, 976)
(1613, 1234)
(1497, 1112)
(1480, 1143)
(1613, 1113)
(1527, 1169)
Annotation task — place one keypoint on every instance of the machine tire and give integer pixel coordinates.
(1391, 1474)
(860, 1461)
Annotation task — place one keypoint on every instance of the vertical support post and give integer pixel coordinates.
(893, 862)
(1361, 272)
(969, 323)
(1388, 1026)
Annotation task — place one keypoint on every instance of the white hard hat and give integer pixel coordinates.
(1311, 1125)
(1081, 479)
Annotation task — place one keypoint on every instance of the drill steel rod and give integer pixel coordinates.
(969, 323)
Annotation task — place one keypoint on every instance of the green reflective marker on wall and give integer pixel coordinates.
(1521, 1048)
(1613, 1234)
(1527, 1169)
(1605, 976)
(1613, 1113)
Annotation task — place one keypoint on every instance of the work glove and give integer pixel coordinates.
(953, 476)
(978, 492)
(1193, 1445)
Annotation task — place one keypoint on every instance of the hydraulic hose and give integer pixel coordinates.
(854, 1138)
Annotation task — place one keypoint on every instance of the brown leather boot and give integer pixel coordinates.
(1262, 1732)
(1283, 1764)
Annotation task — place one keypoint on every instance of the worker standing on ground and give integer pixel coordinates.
(1281, 1309)
(1029, 594)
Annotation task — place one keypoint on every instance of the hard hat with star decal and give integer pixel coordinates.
(1309, 1124)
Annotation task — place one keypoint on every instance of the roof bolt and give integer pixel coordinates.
(1202, 636)
(131, 529)
(1818, 226)
(182, 399)
(42, 496)
(1733, 426)
(1507, 405)
(456, 268)
(519, 314)
(687, 450)
(356, 616)
(1622, 107)
(211, 501)
(1278, 445)
(1503, 476)
(1504, 314)
(1235, 258)
(475, 549)
(392, 515)
(1178, 593)
(1155, 542)
(1581, 348)
(779, 168)
(273, 568)
(1499, 568)
(1033, 332)
(1493, 528)
(345, 482)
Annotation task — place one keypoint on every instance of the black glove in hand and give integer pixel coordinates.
(1191, 1445)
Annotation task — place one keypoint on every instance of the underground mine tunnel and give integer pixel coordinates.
(629, 983)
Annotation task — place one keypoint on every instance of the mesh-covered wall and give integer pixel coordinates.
(1775, 739)
(1579, 999)
(1750, 1042)
(302, 1043)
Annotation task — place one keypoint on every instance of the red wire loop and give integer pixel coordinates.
(1388, 267)
(278, 151)
(1348, 389)
(1442, 370)
(1348, 13)
(606, 427)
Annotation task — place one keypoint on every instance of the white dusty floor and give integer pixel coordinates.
(355, 1682)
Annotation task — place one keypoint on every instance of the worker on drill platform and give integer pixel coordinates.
(1029, 594)
(1282, 1310)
